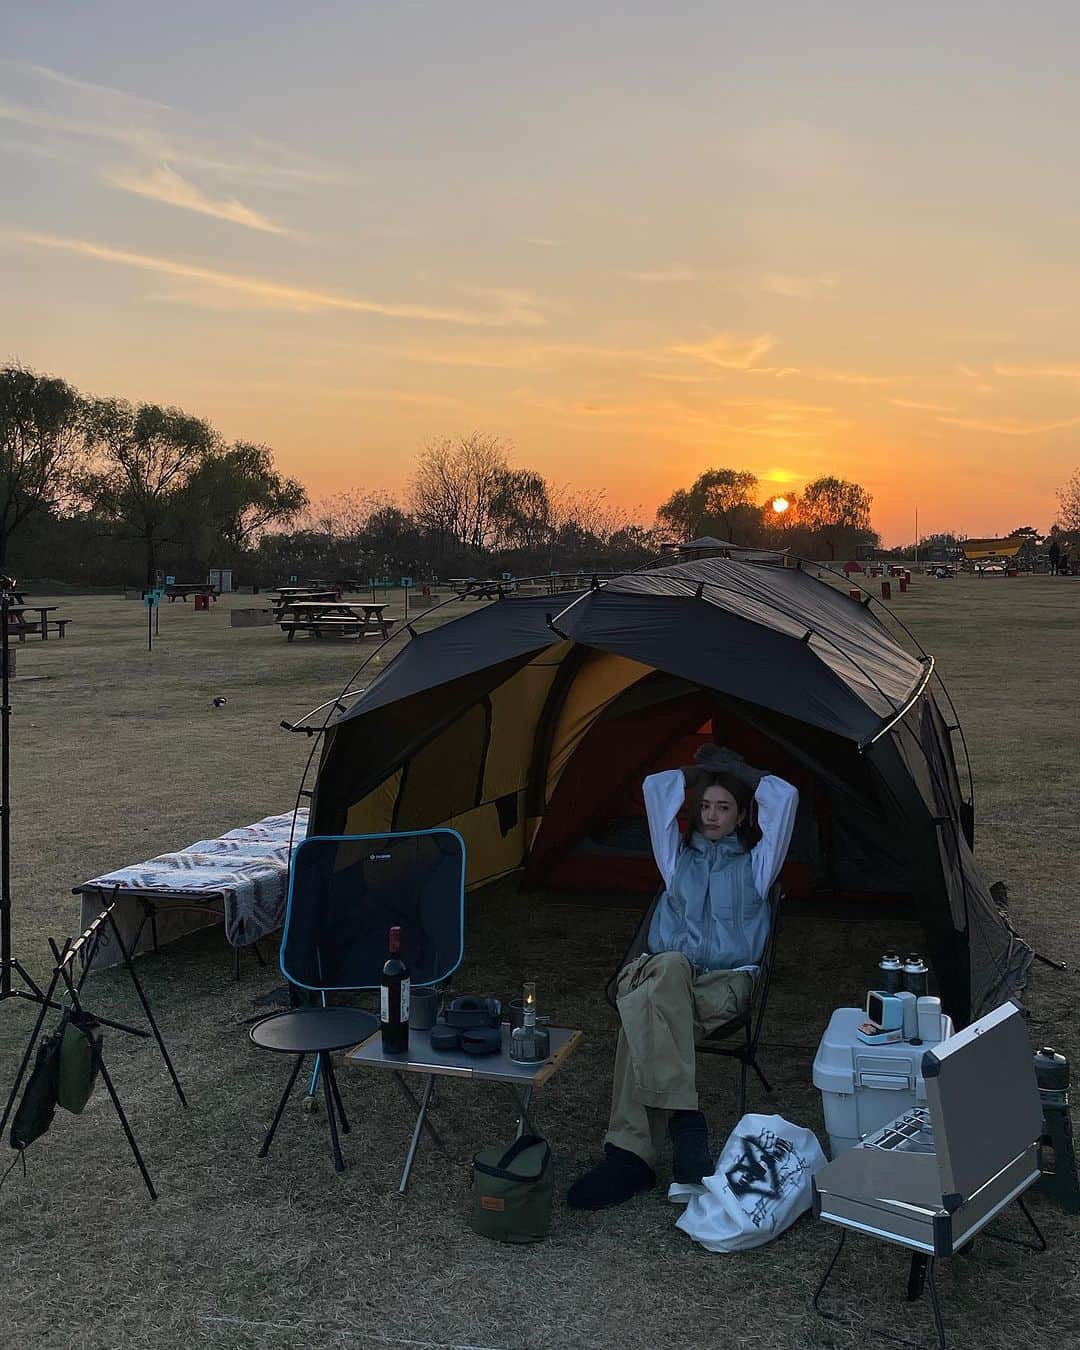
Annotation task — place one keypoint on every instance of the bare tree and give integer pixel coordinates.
(41, 445)
(1069, 497)
(456, 489)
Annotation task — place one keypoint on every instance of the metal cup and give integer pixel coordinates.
(424, 1007)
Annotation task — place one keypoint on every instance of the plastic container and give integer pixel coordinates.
(863, 1087)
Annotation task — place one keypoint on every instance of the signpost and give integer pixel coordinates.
(152, 601)
(406, 582)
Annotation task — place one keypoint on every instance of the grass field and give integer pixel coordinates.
(118, 754)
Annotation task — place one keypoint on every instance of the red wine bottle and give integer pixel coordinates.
(394, 999)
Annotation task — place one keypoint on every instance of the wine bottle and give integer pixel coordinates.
(394, 999)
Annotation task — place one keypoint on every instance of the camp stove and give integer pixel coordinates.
(931, 1178)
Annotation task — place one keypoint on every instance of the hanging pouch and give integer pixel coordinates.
(38, 1105)
(80, 1046)
(512, 1191)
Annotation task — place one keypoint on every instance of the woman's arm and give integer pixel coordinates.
(664, 794)
(777, 802)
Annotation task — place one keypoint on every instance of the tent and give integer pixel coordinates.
(529, 724)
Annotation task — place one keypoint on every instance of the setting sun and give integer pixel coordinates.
(780, 505)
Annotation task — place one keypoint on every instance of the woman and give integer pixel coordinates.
(707, 934)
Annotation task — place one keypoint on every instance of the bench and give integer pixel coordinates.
(20, 630)
(59, 625)
(342, 626)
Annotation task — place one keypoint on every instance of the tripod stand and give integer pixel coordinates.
(9, 963)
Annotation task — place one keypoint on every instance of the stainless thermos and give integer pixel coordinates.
(915, 975)
(890, 974)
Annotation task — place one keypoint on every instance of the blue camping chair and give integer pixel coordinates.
(346, 892)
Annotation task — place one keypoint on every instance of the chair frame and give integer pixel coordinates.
(323, 1066)
(751, 1021)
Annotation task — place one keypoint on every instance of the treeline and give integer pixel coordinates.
(97, 491)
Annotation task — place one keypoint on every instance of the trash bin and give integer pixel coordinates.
(202, 602)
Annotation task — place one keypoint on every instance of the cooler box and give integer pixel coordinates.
(863, 1087)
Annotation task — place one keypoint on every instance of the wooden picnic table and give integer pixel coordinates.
(19, 625)
(329, 616)
(182, 589)
(474, 589)
(281, 601)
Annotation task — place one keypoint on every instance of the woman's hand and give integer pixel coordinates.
(719, 759)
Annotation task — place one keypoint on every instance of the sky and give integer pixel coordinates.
(635, 240)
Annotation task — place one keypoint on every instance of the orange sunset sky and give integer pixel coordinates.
(635, 240)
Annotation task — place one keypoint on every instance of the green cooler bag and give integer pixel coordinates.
(512, 1191)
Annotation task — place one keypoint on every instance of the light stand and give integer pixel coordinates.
(9, 964)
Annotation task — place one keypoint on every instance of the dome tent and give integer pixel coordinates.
(528, 728)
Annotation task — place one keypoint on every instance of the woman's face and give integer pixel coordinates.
(720, 813)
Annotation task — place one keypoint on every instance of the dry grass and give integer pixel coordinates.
(119, 754)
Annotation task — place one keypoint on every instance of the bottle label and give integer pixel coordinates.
(384, 1003)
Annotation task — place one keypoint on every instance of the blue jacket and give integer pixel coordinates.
(714, 907)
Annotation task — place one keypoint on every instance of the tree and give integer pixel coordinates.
(522, 511)
(233, 495)
(41, 444)
(1069, 497)
(455, 489)
(838, 513)
(720, 501)
(142, 460)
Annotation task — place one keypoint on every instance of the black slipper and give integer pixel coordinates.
(618, 1178)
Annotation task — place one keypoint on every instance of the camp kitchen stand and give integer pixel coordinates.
(420, 1058)
(935, 1176)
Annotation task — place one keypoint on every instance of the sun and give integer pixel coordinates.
(780, 505)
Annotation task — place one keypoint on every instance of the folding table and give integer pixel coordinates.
(421, 1059)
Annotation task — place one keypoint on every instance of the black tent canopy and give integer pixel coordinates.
(528, 727)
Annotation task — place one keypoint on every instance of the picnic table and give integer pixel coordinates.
(473, 589)
(19, 625)
(282, 601)
(180, 590)
(354, 618)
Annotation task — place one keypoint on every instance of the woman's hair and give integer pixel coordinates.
(746, 831)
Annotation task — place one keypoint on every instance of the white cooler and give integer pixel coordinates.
(863, 1087)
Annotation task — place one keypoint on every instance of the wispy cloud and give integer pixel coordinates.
(920, 407)
(166, 185)
(273, 294)
(731, 353)
(1038, 372)
(795, 287)
(70, 82)
(849, 377)
(1010, 426)
(517, 305)
(663, 276)
(60, 106)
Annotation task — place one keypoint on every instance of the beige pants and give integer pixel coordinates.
(665, 1008)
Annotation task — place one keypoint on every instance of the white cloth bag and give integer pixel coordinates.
(760, 1187)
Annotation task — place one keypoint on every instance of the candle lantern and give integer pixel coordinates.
(529, 1044)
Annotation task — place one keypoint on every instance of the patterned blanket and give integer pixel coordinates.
(247, 869)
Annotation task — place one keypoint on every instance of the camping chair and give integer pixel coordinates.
(745, 1029)
(345, 893)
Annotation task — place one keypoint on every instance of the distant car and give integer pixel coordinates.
(943, 570)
